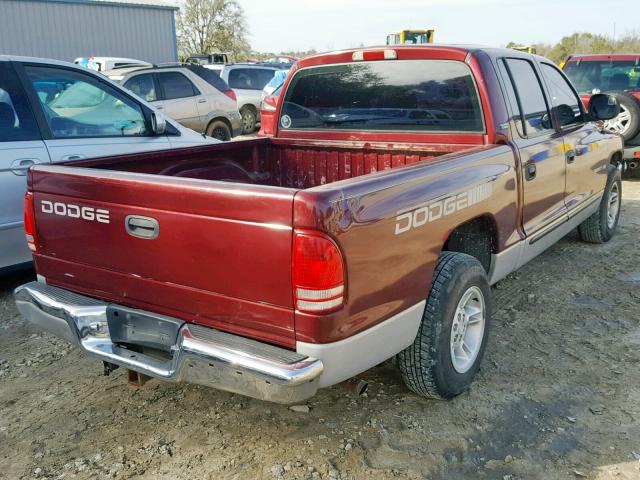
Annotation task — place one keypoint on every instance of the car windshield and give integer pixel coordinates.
(412, 95)
(588, 75)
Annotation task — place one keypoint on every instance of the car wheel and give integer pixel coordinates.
(248, 120)
(601, 226)
(219, 130)
(627, 123)
(446, 354)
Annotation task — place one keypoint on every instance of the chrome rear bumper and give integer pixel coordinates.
(199, 355)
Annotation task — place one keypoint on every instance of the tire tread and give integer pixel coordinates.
(416, 362)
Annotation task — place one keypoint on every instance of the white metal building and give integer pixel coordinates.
(67, 29)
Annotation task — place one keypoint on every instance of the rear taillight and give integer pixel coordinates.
(231, 94)
(30, 223)
(318, 273)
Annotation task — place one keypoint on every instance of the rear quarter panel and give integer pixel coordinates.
(387, 271)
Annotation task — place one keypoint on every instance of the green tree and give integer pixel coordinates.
(585, 42)
(208, 26)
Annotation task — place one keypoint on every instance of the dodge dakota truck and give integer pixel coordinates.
(400, 184)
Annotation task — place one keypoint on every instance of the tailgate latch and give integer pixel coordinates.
(142, 227)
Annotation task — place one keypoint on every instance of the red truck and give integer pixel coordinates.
(619, 76)
(399, 185)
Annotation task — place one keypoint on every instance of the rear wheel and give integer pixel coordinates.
(601, 226)
(219, 130)
(249, 120)
(446, 354)
(627, 123)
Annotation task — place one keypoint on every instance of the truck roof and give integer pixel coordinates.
(412, 52)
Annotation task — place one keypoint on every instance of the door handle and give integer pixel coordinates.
(159, 107)
(142, 227)
(570, 155)
(530, 171)
(20, 166)
(72, 156)
(202, 100)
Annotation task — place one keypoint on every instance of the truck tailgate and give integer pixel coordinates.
(222, 255)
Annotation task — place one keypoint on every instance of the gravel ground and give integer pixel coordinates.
(558, 397)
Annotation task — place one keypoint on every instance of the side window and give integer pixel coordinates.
(176, 85)
(530, 96)
(17, 122)
(511, 98)
(77, 104)
(565, 101)
(143, 86)
(250, 78)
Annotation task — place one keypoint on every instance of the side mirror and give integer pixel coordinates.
(565, 113)
(603, 107)
(158, 124)
(270, 103)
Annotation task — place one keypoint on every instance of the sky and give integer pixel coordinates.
(281, 25)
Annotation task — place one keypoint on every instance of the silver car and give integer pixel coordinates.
(53, 111)
(190, 94)
(247, 80)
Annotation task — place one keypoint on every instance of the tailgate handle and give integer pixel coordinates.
(142, 227)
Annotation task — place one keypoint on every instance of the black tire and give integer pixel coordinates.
(601, 226)
(249, 120)
(219, 130)
(629, 104)
(427, 367)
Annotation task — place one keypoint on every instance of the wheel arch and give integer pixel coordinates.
(477, 237)
(223, 120)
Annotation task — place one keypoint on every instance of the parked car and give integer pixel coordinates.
(55, 111)
(208, 59)
(276, 266)
(190, 94)
(275, 83)
(268, 108)
(247, 80)
(618, 75)
(101, 64)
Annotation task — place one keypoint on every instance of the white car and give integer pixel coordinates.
(54, 111)
(247, 80)
(102, 64)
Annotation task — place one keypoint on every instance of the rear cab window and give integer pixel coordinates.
(401, 95)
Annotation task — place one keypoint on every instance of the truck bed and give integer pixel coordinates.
(278, 163)
(226, 216)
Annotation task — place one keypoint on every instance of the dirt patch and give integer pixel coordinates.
(558, 397)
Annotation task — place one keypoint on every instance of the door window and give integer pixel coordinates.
(535, 118)
(77, 104)
(563, 98)
(176, 85)
(16, 119)
(250, 78)
(143, 86)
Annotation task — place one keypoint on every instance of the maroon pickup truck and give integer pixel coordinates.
(399, 185)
